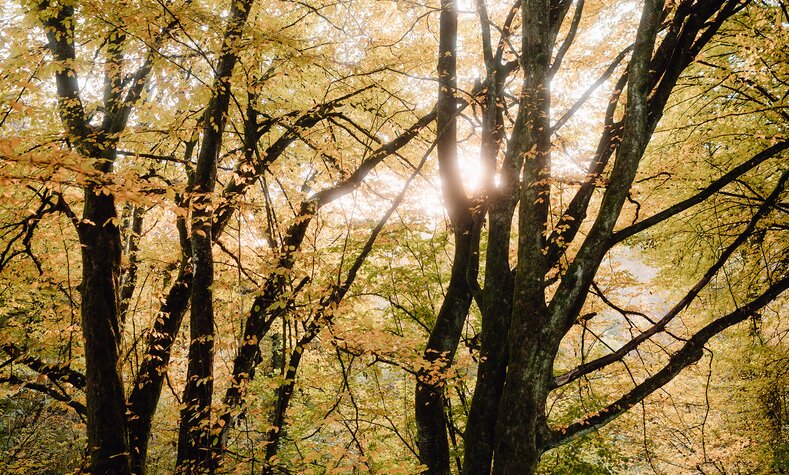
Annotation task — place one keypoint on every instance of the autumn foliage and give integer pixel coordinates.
(454, 236)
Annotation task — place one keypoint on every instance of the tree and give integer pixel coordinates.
(198, 445)
(261, 171)
(528, 310)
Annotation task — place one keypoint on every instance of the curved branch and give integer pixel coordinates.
(268, 306)
(568, 41)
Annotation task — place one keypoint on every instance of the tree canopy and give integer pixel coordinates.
(452, 236)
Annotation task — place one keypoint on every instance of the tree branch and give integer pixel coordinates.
(80, 408)
(61, 373)
(685, 301)
(690, 353)
(710, 190)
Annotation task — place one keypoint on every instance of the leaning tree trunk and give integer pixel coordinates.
(439, 353)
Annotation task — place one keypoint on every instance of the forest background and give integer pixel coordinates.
(354, 236)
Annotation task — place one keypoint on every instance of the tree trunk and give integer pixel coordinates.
(520, 439)
(496, 294)
(101, 256)
(440, 350)
(100, 239)
(439, 353)
(145, 395)
(492, 369)
(537, 329)
(195, 448)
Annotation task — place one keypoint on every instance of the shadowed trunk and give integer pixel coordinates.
(496, 309)
(431, 423)
(100, 240)
(101, 256)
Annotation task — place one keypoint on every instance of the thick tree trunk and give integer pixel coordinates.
(537, 329)
(529, 359)
(520, 439)
(100, 239)
(101, 256)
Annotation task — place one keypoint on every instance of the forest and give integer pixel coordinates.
(394, 237)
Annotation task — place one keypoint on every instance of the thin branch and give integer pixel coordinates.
(80, 408)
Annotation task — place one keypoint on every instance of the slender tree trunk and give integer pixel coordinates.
(440, 350)
(132, 245)
(145, 395)
(263, 313)
(284, 393)
(439, 353)
(194, 447)
(496, 294)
